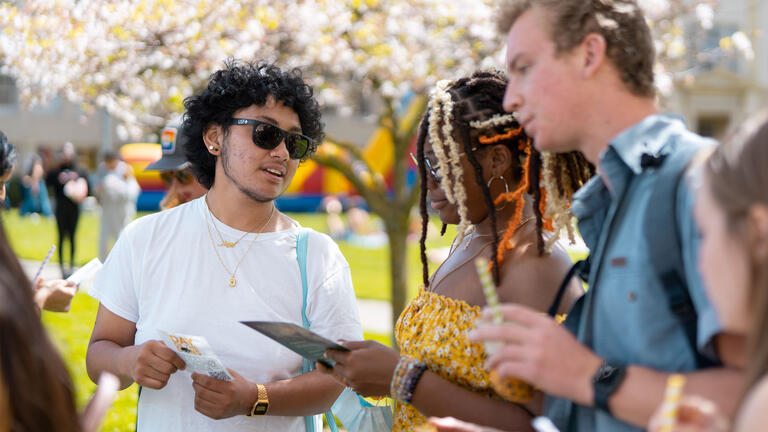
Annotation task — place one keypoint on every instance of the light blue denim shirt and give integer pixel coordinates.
(626, 318)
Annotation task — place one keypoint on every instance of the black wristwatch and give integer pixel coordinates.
(605, 382)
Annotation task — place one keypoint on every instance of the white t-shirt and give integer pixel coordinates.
(163, 274)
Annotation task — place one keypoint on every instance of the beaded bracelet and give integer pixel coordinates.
(412, 379)
(407, 375)
(397, 376)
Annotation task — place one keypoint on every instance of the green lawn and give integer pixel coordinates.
(369, 267)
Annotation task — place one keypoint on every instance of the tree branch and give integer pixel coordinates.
(357, 154)
(376, 199)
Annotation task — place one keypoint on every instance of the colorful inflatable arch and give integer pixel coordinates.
(138, 156)
(312, 181)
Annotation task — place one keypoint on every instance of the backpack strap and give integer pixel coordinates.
(306, 365)
(663, 234)
(580, 269)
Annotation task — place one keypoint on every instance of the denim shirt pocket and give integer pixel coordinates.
(633, 323)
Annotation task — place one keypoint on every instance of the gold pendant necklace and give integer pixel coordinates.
(232, 280)
(224, 243)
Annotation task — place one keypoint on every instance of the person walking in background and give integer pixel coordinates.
(117, 191)
(34, 193)
(53, 295)
(732, 213)
(70, 187)
(174, 168)
(581, 78)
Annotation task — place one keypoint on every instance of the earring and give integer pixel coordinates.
(210, 147)
(506, 187)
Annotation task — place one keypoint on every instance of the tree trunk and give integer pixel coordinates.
(394, 209)
(397, 231)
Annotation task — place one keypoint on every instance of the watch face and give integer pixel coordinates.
(261, 409)
(604, 372)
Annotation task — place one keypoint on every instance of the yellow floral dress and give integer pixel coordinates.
(434, 329)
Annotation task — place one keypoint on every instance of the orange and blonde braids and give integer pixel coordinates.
(441, 120)
(474, 108)
(562, 175)
(517, 197)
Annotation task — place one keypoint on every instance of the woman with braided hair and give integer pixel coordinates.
(479, 171)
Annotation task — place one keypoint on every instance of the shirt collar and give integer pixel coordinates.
(643, 137)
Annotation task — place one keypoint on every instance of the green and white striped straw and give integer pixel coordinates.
(489, 289)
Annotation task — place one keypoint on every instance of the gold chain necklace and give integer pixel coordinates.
(474, 234)
(479, 250)
(232, 279)
(225, 243)
(433, 286)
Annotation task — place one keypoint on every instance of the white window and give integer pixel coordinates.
(9, 94)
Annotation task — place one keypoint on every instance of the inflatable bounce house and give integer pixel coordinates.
(313, 181)
(138, 156)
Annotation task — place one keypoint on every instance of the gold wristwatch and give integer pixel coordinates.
(261, 405)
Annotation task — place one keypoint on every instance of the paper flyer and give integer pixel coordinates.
(298, 339)
(85, 272)
(197, 354)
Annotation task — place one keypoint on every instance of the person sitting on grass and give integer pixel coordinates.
(34, 193)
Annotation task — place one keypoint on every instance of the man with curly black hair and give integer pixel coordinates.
(242, 260)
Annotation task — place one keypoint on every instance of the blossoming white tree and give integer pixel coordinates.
(138, 59)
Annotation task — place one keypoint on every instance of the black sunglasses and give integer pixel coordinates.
(183, 176)
(430, 169)
(269, 136)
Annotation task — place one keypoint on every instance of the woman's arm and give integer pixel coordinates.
(368, 369)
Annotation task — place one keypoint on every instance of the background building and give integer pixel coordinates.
(716, 95)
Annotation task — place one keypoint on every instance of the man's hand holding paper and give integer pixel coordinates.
(153, 363)
(219, 399)
(197, 354)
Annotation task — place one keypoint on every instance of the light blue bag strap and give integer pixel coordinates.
(301, 256)
(306, 365)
